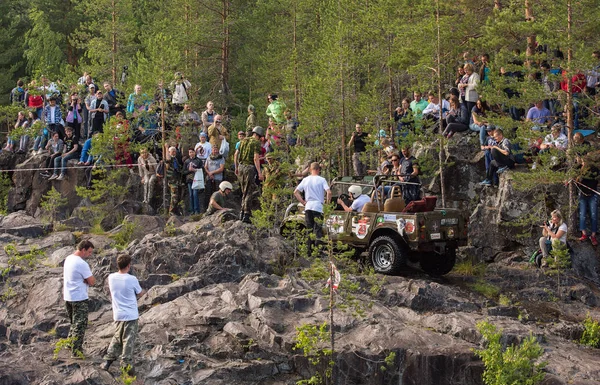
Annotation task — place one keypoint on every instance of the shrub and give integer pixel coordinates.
(591, 332)
(513, 365)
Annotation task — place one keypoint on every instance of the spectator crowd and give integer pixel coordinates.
(61, 121)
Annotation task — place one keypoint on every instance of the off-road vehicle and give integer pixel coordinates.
(392, 232)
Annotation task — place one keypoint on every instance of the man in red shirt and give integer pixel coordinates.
(578, 83)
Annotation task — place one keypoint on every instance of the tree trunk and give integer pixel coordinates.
(570, 119)
(186, 52)
(391, 89)
(531, 39)
(439, 81)
(295, 55)
(114, 42)
(225, 54)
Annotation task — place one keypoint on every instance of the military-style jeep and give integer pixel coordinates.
(392, 232)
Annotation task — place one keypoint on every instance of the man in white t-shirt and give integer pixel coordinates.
(358, 199)
(315, 188)
(77, 277)
(124, 292)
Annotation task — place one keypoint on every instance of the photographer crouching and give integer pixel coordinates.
(556, 229)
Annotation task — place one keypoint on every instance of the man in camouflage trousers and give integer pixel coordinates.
(77, 277)
(174, 169)
(124, 291)
(246, 170)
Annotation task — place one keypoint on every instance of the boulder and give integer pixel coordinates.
(145, 224)
(75, 223)
(18, 219)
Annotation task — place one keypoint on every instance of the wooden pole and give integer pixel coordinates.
(439, 78)
(164, 149)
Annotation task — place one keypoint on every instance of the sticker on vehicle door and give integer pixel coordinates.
(335, 224)
(436, 236)
(360, 227)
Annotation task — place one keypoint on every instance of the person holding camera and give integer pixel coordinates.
(74, 114)
(180, 86)
(555, 229)
(360, 147)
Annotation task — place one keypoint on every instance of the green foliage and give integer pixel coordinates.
(504, 300)
(125, 235)
(311, 340)
(5, 185)
(562, 257)
(591, 332)
(467, 268)
(125, 378)
(43, 46)
(389, 361)
(513, 365)
(52, 204)
(485, 288)
(67, 344)
(170, 230)
(17, 259)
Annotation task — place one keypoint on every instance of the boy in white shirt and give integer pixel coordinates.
(124, 292)
(77, 276)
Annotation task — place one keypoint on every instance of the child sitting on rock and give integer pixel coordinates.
(55, 148)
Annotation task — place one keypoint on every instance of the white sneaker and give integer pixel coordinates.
(534, 166)
(61, 177)
(54, 176)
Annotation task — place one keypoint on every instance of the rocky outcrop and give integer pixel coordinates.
(216, 314)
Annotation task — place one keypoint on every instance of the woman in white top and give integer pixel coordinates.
(471, 94)
(556, 231)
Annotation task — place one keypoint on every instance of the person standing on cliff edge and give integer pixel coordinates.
(77, 277)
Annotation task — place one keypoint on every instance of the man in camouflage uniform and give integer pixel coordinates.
(247, 169)
(174, 169)
(77, 277)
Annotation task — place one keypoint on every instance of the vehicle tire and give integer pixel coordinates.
(436, 264)
(387, 255)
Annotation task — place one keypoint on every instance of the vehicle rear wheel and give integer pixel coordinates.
(386, 255)
(436, 264)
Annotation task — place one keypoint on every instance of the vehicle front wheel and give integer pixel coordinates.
(387, 256)
(436, 264)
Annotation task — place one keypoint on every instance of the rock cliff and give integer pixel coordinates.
(225, 299)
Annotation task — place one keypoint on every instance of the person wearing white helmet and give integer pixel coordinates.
(217, 200)
(357, 197)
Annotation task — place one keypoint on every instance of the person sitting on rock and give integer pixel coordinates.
(556, 229)
(555, 139)
(11, 141)
(71, 151)
(502, 158)
(55, 148)
(217, 199)
(147, 169)
(538, 115)
(357, 197)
